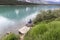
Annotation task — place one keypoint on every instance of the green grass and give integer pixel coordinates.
(10, 36)
(47, 26)
(44, 31)
(41, 28)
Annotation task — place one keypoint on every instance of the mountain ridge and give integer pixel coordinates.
(50, 2)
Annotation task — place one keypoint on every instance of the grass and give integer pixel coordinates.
(34, 31)
(11, 36)
(47, 26)
(50, 31)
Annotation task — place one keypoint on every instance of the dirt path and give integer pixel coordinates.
(22, 37)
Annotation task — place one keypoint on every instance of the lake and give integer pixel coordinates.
(14, 17)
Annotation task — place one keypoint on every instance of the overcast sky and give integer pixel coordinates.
(53, 0)
(42, 0)
(48, 0)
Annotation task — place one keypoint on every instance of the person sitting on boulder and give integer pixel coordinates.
(30, 23)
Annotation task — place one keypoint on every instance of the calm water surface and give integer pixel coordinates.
(14, 17)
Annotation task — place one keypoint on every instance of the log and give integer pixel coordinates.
(24, 30)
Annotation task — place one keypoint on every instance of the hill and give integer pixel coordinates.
(16, 3)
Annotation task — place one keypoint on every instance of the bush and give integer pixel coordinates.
(11, 36)
(47, 15)
(54, 25)
(42, 31)
(51, 35)
(39, 29)
(57, 19)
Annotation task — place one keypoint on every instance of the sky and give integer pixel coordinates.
(53, 0)
(27, 0)
(44, 0)
(47, 0)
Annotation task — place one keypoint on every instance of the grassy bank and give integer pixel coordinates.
(47, 26)
(11, 36)
(44, 31)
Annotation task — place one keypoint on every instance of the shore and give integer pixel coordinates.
(14, 28)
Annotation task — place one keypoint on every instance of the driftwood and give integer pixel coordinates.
(24, 30)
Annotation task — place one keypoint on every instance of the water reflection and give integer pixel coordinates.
(14, 11)
(11, 12)
(4, 22)
(17, 11)
(27, 9)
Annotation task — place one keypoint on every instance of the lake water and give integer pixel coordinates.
(14, 17)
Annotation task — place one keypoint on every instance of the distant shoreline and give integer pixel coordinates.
(22, 3)
(31, 4)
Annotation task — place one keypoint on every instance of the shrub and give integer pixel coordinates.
(42, 31)
(39, 29)
(54, 25)
(11, 36)
(47, 15)
(51, 35)
(57, 19)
